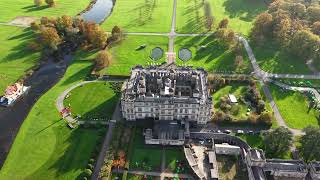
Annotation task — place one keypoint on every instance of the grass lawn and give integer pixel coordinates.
(213, 58)
(125, 55)
(255, 141)
(241, 14)
(268, 106)
(93, 100)
(174, 158)
(272, 60)
(11, 9)
(236, 89)
(293, 107)
(45, 148)
(144, 157)
(141, 16)
(15, 59)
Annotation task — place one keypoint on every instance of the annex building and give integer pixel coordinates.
(167, 92)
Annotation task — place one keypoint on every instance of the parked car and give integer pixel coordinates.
(240, 132)
(227, 131)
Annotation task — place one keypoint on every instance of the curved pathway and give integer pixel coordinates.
(60, 99)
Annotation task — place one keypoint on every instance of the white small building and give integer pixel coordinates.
(232, 98)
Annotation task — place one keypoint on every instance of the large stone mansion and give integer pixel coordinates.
(167, 92)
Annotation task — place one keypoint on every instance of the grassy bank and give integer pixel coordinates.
(15, 59)
(45, 148)
(241, 14)
(125, 54)
(214, 57)
(141, 16)
(93, 100)
(11, 9)
(294, 108)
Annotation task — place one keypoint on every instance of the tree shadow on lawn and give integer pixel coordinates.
(104, 110)
(80, 75)
(72, 152)
(195, 22)
(20, 50)
(32, 8)
(274, 59)
(246, 10)
(144, 12)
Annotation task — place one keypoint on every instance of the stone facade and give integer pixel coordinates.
(167, 93)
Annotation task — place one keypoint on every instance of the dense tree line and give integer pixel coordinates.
(293, 25)
(56, 36)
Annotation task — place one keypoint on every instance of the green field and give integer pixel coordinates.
(93, 100)
(11, 9)
(254, 141)
(141, 16)
(174, 158)
(45, 148)
(125, 55)
(236, 89)
(15, 59)
(272, 60)
(143, 155)
(293, 107)
(241, 14)
(213, 57)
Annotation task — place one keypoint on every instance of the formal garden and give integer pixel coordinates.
(239, 102)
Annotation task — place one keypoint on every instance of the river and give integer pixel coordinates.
(98, 12)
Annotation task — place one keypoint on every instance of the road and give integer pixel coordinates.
(158, 174)
(108, 137)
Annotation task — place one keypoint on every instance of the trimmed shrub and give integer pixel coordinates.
(87, 172)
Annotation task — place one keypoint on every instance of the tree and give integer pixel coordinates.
(260, 106)
(50, 3)
(223, 23)
(94, 35)
(265, 118)
(281, 27)
(102, 60)
(208, 15)
(35, 26)
(304, 44)
(64, 23)
(316, 28)
(261, 28)
(297, 10)
(116, 33)
(239, 61)
(313, 13)
(49, 38)
(278, 142)
(310, 144)
(38, 2)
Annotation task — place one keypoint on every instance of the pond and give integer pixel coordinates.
(99, 11)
